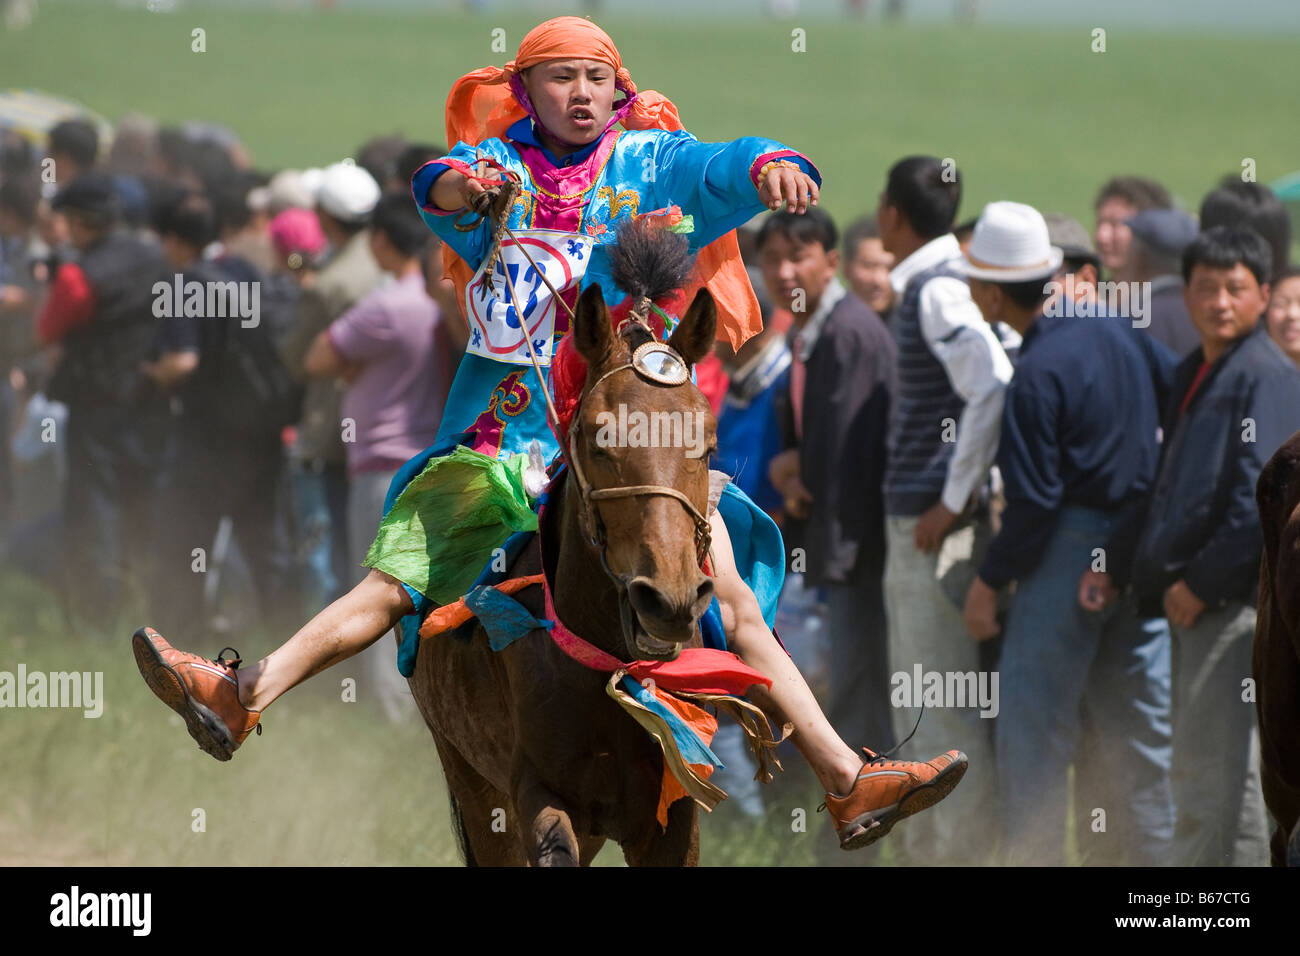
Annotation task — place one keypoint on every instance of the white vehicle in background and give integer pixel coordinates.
(33, 113)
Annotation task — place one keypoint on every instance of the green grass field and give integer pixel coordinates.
(328, 783)
(1030, 115)
(335, 786)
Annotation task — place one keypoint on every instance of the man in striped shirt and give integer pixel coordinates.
(943, 436)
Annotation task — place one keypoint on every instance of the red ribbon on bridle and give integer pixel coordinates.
(696, 670)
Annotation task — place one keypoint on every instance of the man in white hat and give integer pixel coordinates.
(345, 195)
(1078, 454)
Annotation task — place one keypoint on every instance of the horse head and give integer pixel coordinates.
(639, 446)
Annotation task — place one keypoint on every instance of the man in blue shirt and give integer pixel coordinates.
(1077, 453)
(749, 432)
(1234, 400)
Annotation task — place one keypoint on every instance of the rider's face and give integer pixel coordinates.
(574, 99)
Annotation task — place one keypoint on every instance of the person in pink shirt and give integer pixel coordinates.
(396, 355)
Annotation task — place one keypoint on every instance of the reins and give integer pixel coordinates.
(507, 192)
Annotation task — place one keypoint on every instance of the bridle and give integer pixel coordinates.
(592, 525)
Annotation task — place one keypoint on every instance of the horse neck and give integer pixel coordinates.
(585, 597)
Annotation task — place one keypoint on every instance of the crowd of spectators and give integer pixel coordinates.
(1011, 447)
(210, 373)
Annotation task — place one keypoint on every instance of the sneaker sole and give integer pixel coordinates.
(208, 730)
(870, 827)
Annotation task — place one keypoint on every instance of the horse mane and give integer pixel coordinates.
(648, 260)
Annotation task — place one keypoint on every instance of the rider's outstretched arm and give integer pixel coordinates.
(717, 183)
(440, 190)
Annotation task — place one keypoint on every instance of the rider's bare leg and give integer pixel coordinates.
(834, 762)
(346, 627)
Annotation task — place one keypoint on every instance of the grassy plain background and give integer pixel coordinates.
(1029, 114)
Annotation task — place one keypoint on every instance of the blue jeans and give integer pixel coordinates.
(321, 495)
(1126, 709)
(1058, 661)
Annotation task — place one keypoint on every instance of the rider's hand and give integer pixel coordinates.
(788, 186)
(472, 189)
(454, 190)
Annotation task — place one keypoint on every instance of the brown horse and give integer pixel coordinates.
(542, 765)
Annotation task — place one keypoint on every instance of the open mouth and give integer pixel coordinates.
(582, 117)
(640, 643)
(650, 646)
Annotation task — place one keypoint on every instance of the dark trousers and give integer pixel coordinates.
(113, 459)
(859, 656)
(213, 479)
(859, 679)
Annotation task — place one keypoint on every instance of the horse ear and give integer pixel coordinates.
(693, 337)
(591, 331)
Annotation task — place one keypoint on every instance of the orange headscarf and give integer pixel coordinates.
(483, 105)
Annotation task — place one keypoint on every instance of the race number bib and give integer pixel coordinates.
(496, 330)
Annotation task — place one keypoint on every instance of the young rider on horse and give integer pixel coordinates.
(549, 118)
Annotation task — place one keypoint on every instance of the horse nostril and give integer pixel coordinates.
(647, 601)
(681, 610)
(704, 595)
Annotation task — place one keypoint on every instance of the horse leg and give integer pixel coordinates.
(479, 813)
(549, 837)
(679, 845)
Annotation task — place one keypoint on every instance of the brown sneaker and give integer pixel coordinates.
(204, 692)
(886, 791)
